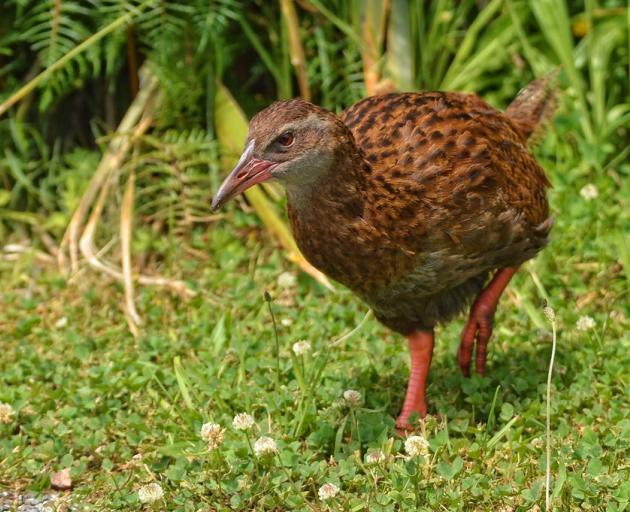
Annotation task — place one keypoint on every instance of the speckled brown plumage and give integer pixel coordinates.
(439, 191)
(418, 202)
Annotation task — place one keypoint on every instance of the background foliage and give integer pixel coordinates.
(78, 79)
(52, 137)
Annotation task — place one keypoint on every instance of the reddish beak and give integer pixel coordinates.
(248, 172)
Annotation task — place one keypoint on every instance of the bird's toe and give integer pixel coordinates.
(475, 336)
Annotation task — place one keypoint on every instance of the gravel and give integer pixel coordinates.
(28, 502)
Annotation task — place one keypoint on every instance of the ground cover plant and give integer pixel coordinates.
(246, 383)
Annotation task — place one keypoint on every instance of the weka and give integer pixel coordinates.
(420, 203)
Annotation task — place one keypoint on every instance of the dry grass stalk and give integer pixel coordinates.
(296, 50)
(79, 239)
(126, 223)
(549, 313)
(112, 159)
(86, 242)
(373, 34)
(13, 252)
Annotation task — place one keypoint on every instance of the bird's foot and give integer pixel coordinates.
(403, 429)
(404, 426)
(479, 326)
(476, 333)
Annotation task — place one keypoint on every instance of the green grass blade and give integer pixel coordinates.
(399, 54)
(504, 430)
(555, 25)
(182, 383)
(468, 44)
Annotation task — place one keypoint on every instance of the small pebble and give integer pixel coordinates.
(61, 480)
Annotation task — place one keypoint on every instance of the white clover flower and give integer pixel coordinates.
(339, 403)
(301, 347)
(328, 491)
(416, 445)
(352, 397)
(585, 323)
(589, 192)
(150, 493)
(375, 457)
(286, 280)
(265, 446)
(243, 421)
(212, 433)
(6, 413)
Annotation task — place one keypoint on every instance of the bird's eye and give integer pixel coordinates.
(286, 139)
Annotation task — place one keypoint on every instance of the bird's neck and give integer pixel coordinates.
(339, 195)
(325, 217)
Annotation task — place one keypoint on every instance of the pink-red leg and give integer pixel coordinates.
(479, 327)
(421, 351)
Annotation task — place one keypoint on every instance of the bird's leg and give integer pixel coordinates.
(421, 351)
(479, 326)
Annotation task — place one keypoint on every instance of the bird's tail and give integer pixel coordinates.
(533, 106)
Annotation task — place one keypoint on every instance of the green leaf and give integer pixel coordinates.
(448, 471)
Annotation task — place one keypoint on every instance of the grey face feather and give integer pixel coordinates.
(308, 159)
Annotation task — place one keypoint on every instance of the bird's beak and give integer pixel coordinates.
(248, 172)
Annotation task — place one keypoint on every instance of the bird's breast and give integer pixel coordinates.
(351, 251)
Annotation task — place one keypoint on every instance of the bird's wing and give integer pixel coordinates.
(450, 173)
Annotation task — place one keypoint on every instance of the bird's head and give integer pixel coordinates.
(294, 142)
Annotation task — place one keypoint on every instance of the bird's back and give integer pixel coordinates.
(447, 168)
